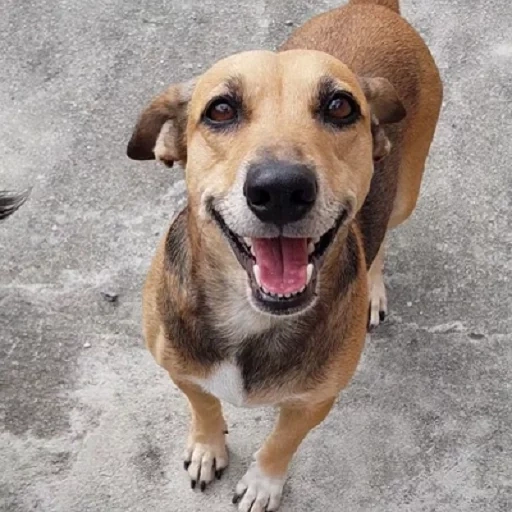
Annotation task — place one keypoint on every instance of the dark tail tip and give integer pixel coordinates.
(11, 201)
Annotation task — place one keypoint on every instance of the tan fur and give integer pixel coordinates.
(195, 279)
(390, 4)
(293, 425)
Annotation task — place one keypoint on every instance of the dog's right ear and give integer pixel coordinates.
(160, 130)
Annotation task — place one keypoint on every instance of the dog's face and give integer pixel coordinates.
(279, 151)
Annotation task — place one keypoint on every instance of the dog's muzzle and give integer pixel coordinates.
(282, 271)
(280, 244)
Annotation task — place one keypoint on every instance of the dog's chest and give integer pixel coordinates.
(226, 383)
(270, 363)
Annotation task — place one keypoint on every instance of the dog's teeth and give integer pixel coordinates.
(309, 273)
(248, 242)
(257, 274)
(288, 295)
(311, 248)
(265, 290)
(316, 240)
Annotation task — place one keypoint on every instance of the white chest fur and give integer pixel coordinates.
(226, 383)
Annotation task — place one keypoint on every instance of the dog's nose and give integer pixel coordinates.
(280, 192)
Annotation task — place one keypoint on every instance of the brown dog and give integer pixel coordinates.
(259, 292)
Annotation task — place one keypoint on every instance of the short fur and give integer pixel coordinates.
(198, 318)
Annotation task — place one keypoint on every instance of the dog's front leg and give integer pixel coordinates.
(261, 487)
(206, 455)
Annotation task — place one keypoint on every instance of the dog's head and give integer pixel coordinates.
(279, 150)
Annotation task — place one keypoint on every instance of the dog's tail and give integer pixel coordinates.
(10, 202)
(390, 4)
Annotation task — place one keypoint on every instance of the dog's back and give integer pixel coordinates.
(390, 4)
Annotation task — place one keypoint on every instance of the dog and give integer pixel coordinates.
(297, 163)
(10, 202)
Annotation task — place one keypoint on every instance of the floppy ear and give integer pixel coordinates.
(160, 130)
(383, 99)
(386, 108)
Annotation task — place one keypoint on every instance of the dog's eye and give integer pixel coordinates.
(340, 109)
(221, 112)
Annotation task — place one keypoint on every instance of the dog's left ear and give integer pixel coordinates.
(386, 108)
(383, 99)
(160, 130)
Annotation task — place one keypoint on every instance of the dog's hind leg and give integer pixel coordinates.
(206, 455)
(261, 487)
(377, 291)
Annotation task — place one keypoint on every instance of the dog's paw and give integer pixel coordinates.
(258, 492)
(205, 461)
(378, 308)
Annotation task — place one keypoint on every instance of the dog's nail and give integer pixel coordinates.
(382, 316)
(193, 484)
(226, 431)
(203, 486)
(236, 499)
(219, 473)
(186, 464)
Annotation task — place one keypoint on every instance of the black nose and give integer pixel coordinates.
(279, 191)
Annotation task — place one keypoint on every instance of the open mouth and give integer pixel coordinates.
(282, 271)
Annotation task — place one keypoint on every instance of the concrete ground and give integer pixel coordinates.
(90, 423)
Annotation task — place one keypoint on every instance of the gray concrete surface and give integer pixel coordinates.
(88, 421)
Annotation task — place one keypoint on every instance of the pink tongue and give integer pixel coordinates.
(283, 263)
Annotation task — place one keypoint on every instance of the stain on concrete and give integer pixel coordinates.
(149, 462)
